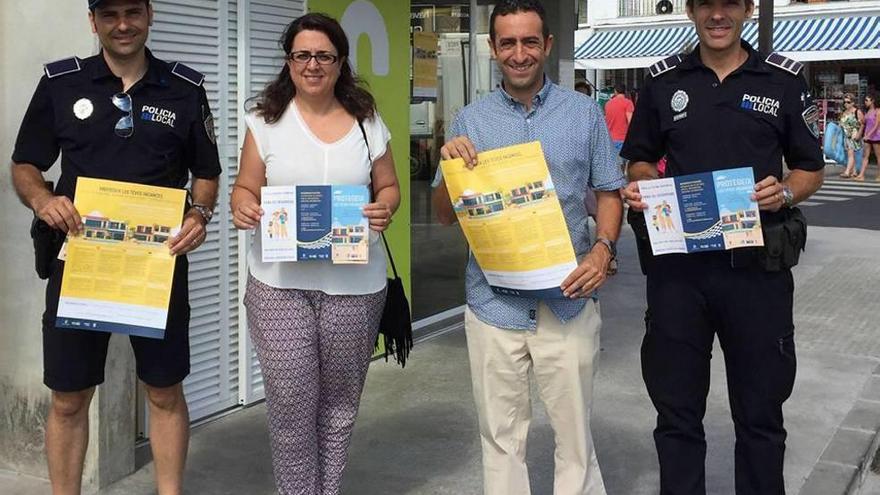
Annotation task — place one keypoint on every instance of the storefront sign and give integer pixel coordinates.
(424, 62)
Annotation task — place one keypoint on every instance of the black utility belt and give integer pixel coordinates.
(784, 238)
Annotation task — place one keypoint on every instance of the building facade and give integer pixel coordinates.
(838, 42)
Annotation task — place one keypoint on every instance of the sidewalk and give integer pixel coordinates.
(417, 431)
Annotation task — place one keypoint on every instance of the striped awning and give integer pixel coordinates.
(821, 38)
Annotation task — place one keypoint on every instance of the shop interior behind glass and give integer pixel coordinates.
(441, 85)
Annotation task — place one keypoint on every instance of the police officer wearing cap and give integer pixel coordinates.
(121, 115)
(723, 106)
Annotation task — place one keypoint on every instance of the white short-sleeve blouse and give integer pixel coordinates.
(293, 155)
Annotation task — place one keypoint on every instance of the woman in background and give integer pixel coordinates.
(872, 135)
(313, 323)
(852, 121)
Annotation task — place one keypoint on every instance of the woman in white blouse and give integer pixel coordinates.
(313, 323)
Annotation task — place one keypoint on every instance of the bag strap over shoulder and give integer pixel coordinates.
(370, 156)
(390, 257)
(367, 142)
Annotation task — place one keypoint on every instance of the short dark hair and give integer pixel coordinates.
(690, 3)
(583, 87)
(620, 88)
(92, 9)
(507, 7)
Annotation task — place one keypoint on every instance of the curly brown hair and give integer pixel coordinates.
(273, 101)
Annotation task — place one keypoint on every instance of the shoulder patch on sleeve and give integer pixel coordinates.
(188, 74)
(62, 67)
(784, 63)
(665, 65)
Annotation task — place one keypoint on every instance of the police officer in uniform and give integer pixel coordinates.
(122, 115)
(723, 106)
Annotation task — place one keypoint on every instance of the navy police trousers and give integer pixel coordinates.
(691, 298)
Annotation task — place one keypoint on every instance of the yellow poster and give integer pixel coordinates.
(424, 64)
(118, 270)
(510, 214)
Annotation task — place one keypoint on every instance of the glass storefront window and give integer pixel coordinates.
(438, 91)
(445, 36)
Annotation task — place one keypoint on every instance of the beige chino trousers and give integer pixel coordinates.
(563, 358)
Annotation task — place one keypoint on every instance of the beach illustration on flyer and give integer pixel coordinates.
(118, 271)
(740, 217)
(663, 219)
(351, 230)
(509, 212)
(709, 211)
(278, 224)
(314, 223)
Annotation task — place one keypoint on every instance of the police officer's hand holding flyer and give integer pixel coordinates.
(121, 115)
(724, 106)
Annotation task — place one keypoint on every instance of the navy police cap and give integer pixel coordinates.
(93, 4)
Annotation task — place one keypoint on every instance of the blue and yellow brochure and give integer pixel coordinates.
(315, 223)
(711, 211)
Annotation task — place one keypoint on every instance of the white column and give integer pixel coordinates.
(64, 30)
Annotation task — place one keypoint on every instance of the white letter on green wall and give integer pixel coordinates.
(362, 17)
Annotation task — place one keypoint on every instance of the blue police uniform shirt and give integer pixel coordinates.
(579, 153)
(759, 114)
(72, 113)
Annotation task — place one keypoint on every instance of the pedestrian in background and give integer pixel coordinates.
(314, 323)
(618, 114)
(872, 135)
(509, 337)
(589, 195)
(583, 87)
(90, 110)
(691, 110)
(852, 121)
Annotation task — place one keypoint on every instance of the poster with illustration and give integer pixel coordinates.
(510, 214)
(118, 271)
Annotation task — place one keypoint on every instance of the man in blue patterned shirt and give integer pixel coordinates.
(557, 339)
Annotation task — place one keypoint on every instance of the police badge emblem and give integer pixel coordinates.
(811, 120)
(83, 108)
(209, 129)
(208, 120)
(679, 101)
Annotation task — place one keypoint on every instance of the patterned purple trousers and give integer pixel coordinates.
(314, 350)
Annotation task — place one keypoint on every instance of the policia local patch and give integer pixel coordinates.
(159, 115)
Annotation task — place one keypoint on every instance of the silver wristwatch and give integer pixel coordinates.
(611, 245)
(205, 211)
(787, 196)
(612, 250)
